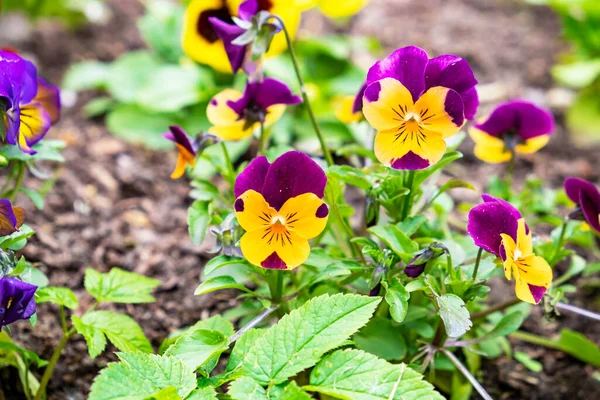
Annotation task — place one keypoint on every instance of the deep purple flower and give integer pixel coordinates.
(587, 197)
(11, 218)
(235, 115)
(16, 300)
(280, 207)
(30, 105)
(513, 127)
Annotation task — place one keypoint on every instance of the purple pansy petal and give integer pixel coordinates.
(487, 221)
(453, 105)
(413, 271)
(358, 100)
(406, 65)
(410, 161)
(526, 119)
(575, 185)
(8, 220)
(291, 175)
(248, 9)
(228, 33)
(178, 136)
(512, 209)
(252, 177)
(272, 91)
(16, 300)
(591, 209)
(273, 262)
(372, 91)
(470, 100)
(30, 83)
(537, 292)
(449, 71)
(13, 123)
(12, 71)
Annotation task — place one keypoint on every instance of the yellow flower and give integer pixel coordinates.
(344, 110)
(493, 150)
(334, 8)
(532, 273)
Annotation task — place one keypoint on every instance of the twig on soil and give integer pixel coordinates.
(257, 320)
(476, 385)
(577, 310)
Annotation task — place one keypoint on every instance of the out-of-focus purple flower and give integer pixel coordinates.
(513, 127)
(11, 218)
(29, 104)
(186, 147)
(16, 300)
(280, 207)
(587, 198)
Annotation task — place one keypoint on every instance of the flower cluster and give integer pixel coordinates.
(28, 103)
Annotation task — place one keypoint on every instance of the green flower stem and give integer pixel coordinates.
(12, 193)
(63, 319)
(535, 339)
(508, 175)
(228, 164)
(276, 285)
(477, 261)
(497, 307)
(311, 114)
(560, 243)
(408, 199)
(262, 142)
(52, 364)
(467, 374)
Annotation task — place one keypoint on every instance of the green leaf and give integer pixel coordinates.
(198, 220)
(507, 325)
(578, 74)
(455, 183)
(247, 388)
(241, 348)
(580, 347)
(57, 295)
(120, 286)
(350, 175)
(98, 106)
(381, 338)
(293, 344)
(395, 239)
(36, 198)
(288, 391)
(86, 75)
(212, 267)
(411, 225)
(583, 116)
(128, 75)
(397, 298)
(454, 314)
(47, 150)
(170, 88)
(28, 356)
(169, 393)
(206, 393)
(220, 283)
(23, 233)
(197, 346)
(122, 331)
(422, 175)
(139, 375)
(528, 362)
(135, 125)
(356, 375)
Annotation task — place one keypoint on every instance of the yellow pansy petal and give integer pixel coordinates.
(262, 247)
(535, 271)
(489, 148)
(532, 145)
(386, 103)
(523, 291)
(344, 112)
(409, 149)
(509, 246)
(524, 242)
(209, 51)
(274, 113)
(231, 132)
(35, 122)
(252, 211)
(218, 112)
(436, 114)
(305, 214)
(337, 9)
(304, 5)
(179, 167)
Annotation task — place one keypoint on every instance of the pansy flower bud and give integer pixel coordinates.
(513, 127)
(417, 265)
(235, 115)
(280, 207)
(210, 29)
(499, 228)
(11, 218)
(186, 147)
(415, 103)
(587, 198)
(16, 300)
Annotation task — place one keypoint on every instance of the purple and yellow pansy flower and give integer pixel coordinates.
(350, 107)
(16, 300)
(209, 29)
(11, 217)
(235, 115)
(499, 228)
(30, 105)
(186, 147)
(513, 127)
(415, 103)
(280, 206)
(587, 198)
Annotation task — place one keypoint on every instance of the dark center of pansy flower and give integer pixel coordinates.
(253, 113)
(265, 5)
(511, 140)
(205, 28)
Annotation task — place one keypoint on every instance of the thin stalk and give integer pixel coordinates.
(508, 176)
(276, 286)
(52, 364)
(535, 339)
(497, 307)
(560, 243)
(467, 374)
(262, 142)
(477, 261)
(255, 321)
(228, 164)
(11, 195)
(27, 387)
(63, 320)
(577, 310)
(311, 114)
(406, 208)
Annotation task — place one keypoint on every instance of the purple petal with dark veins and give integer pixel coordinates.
(410, 161)
(406, 65)
(487, 221)
(228, 33)
(178, 136)
(252, 177)
(273, 262)
(291, 175)
(524, 118)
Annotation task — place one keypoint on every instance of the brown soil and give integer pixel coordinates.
(114, 204)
